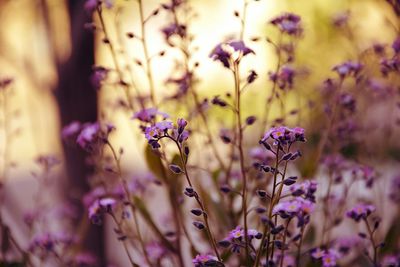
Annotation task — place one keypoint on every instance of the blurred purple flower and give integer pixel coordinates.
(155, 251)
(98, 76)
(99, 207)
(149, 114)
(71, 130)
(288, 23)
(360, 211)
(203, 260)
(348, 68)
(230, 52)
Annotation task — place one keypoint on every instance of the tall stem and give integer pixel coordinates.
(266, 228)
(123, 242)
(114, 57)
(371, 238)
(299, 247)
(284, 241)
(149, 73)
(241, 154)
(198, 200)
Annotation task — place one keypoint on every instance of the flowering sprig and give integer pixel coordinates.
(178, 134)
(279, 141)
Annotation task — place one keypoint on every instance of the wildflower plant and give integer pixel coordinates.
(251, 190)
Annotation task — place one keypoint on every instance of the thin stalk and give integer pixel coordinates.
(326, 209)
(146, 257)
(241, 154)
(126, 189)
(114, 56)
(284, 241)
(371, 238)
(299, 246)
(147, 56)
(185, 51)
(205, 216)
(243, 19)
(266, 228)
(325, 137)
(123, 241)
(273, 91)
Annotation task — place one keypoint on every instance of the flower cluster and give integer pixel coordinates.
(230, 53)
(288, 23)
(360, 211)
(236, 238)
(99, 207)
(283, 135)
(204, 260)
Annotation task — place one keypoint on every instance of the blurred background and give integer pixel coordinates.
(49, 50)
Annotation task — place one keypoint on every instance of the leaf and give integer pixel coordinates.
(391, 237)
(309, 236)
(154, 163)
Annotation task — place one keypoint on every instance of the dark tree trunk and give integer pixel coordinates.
(77, 101)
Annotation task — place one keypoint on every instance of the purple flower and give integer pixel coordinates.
(348, 68)
(182, 123)
(99, 75)
(182, 83)
(317, 253)
(360, 211)
(91, 5)
(329, 259)
(173, 4)
(88, 135)
(396, 45)
(284, 78)
(4, 82)
(86, 259)
(394, 194)
(203, 260)
(344, 244)
(155, 251)
(157, 130)
(149, 114)
(390, 261)
(48, 161)
(260, 154)
(296, 207)
(236, 238)
(306, 189)
(288, 23)
(284, 135)
(173, 29)
(230, 52)
(347, 101)
(71, 130)
(341, 19)
(99, 207)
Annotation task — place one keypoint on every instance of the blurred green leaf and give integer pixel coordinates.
(154, 163)
(391, 237)
(310, 235)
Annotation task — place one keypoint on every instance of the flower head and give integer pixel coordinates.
(203, 260)
(149, 114)
(284, 135)
(288, 23)
(230, 52)
(99, 207)
(348, 68)
(360, 211)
